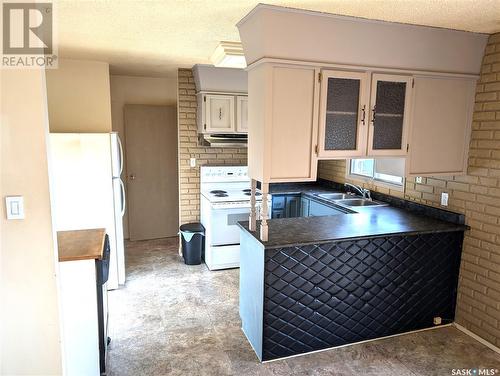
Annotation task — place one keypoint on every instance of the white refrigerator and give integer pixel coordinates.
(88, 191)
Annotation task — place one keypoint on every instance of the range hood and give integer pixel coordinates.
(223, 140)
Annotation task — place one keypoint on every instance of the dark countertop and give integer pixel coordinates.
(299, 188)
(362, 223)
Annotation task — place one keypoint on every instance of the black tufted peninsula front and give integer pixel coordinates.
(312, 286)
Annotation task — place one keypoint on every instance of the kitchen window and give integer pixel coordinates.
(385, 170)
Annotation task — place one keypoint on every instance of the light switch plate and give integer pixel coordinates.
(418, 179)
(444, 199)
(15, 207)
(192, 162)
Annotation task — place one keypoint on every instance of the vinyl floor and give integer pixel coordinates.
(174, 319)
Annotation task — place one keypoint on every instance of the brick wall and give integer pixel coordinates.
(478, 196)
(189, 178)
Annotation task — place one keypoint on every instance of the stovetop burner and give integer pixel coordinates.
(220, 194)
(247, 190)
(217, 192)
(256, 194)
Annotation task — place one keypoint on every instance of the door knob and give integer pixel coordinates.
(132, 177)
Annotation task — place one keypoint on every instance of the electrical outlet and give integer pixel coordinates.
(437, 320)
(444, 199)
(418, 180)
(192, 162)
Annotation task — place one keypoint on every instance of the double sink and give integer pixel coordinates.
(349, 200)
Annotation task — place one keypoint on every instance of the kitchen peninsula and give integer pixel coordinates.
(322, 86)
(326, 281)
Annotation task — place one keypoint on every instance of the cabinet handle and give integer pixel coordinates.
(220, 113)
(363, 115)
(373, 115)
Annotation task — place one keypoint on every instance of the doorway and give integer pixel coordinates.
(152, 171)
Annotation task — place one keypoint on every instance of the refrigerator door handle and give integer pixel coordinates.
(120, 146)
(122, 187)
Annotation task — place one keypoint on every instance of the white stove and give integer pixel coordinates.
(225, 200)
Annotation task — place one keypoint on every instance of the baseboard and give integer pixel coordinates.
(476, 337)
(360, 342)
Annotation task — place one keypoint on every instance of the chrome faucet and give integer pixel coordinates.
(365, 193)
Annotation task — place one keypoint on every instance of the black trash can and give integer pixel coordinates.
(193, 243)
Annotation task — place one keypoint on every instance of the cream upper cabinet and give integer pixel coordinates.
(219, 113)
(363, 114)
(389, 115)
(222, 113)
(283, 113)
(440, 126)
(343, 114)
(241, 114)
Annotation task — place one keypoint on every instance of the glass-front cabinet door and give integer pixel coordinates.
(343, 114)
(390, 97)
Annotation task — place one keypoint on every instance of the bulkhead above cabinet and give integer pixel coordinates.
(209, 78)
(303, 35)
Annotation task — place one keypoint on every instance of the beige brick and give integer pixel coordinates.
(424, 188)
(484, 317)
(491, 106)
(484, 218)
(491, 247)
(482, 235)
(476, 251)
(493, 312)
(486, 97)
(436, 182)
(458, 186)
(492, 125)
(495, 86)
(494, 67)
(483, 298)
(478, 189)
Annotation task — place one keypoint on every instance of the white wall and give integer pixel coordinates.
(79, 96)
(138, 90)
(30, 331)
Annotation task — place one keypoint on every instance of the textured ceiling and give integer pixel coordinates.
(154, 38)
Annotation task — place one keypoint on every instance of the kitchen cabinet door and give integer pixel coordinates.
(242, 114)
(293, 206)
(441, 119)
(283, 112)
(390, 99)
(219, 113)
(304, 207)
(278, 213)
(343, 114)
(319, 209)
